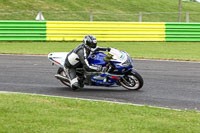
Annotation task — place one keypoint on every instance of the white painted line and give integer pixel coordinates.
(22, 55)
(85, 99)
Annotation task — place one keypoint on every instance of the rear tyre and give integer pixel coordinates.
(132, 81)
(62, 72)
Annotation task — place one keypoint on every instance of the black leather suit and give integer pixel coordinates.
(77, 57)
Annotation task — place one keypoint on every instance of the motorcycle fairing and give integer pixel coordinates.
(105, 79)
(97, 59)
(58, 58)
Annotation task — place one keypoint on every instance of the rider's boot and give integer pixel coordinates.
(75, 84)
(71, 74)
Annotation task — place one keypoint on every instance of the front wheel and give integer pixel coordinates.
(132, 81)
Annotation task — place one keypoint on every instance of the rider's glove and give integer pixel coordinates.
(108, 49)
(99, 68)
(103, 69)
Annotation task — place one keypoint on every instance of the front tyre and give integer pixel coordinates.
(132, 81)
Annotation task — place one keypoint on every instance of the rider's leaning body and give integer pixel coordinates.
(79, 56)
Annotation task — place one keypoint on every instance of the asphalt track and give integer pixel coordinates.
(166, 83)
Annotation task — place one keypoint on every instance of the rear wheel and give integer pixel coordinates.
(62, 73)
(132, 81)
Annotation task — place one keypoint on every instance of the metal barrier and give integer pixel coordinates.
(22, 30)
(182, 31)
(104, 31)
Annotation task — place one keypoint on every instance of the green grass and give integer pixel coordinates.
(114, 10)
(33, 114)
(189, 51)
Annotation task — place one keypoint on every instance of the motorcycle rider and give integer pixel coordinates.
(79, 56)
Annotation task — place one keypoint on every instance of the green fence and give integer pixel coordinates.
(182, 31)
(22, 30)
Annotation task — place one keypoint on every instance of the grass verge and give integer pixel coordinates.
(189, 51)
(103, 10)
(33, 113)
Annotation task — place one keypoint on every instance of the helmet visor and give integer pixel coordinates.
(94, 44)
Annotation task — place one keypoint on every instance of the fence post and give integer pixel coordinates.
(180, 8)
(91, 16)
(140, 16)
(187, 17)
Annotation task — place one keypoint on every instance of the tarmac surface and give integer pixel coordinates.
(168, 84)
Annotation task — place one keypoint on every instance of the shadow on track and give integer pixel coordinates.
(98, 89)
